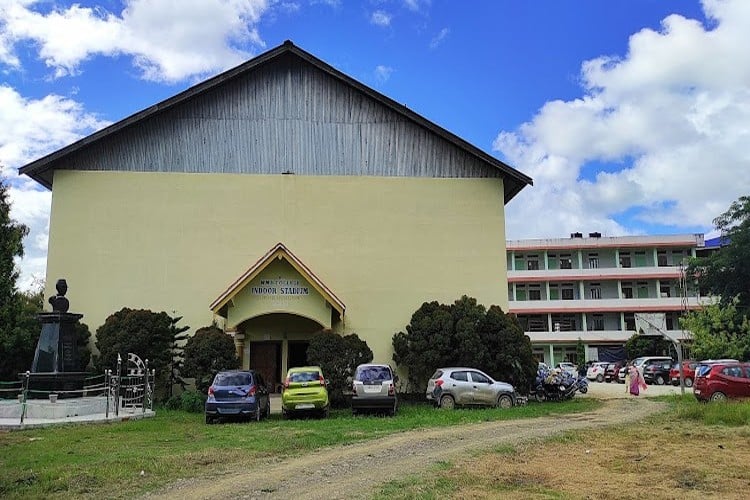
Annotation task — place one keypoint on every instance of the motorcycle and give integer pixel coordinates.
(557, 386)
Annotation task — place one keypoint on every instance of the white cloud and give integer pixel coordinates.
(30, 129)
(673, 112)
(383, 73)
(416, 5)
(438, 39)
(159, 35)
(381, 18)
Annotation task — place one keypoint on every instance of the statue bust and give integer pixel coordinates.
(59, 302)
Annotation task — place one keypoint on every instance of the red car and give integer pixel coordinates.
(688, 372)
(720, 381)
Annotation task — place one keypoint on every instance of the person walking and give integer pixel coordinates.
(635, 382)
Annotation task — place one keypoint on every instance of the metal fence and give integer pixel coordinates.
(108, 393)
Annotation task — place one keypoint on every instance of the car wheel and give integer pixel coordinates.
(688, 382)
(209, 420)
(539, 397)
(258, 413)
(447, 402)
(268, 409)
(326, 411)
(504, 401)
(584, 390)
(659, 380)
(355, 412)
(718, 396)
(600, 378)
(284, 414)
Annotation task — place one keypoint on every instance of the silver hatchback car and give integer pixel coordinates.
(374, 389)
(451, 387)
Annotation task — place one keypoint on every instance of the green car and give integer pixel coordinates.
(305, 392)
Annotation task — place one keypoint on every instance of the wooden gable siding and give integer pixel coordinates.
(287, 116)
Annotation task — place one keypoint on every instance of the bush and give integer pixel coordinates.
(189, 401)
(142, 332)
(338, 357)
(464, 334)
(208, 352)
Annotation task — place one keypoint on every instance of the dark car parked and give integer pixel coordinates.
(657, 372)
(611, 374)
(239, 394)
(719, 381)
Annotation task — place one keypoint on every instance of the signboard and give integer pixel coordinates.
(280, 286)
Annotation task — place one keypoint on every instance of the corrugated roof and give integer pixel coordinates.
(41, 169)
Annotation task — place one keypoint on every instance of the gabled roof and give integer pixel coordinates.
(41, 169)
(279, 251)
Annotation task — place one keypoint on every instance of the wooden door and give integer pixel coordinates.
(264, 357)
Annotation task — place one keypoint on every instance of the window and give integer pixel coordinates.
(554, 292)
(661, 258)
(642, 290)
(552, 261)
(565, 261)
(534, 323)
(520, 292)
(564, 322)
(532, 264)
(598, 322)
(460, 376)
(595, 292)
(732, 371)
(665, 291)
(479, 378)
(630, 321)
(567, 293)
(535, 294)
(625, 259)
(627, 290)
(593, 261)
(640, 259)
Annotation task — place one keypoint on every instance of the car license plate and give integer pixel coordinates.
(697, 391)
(304, 406)
(372, 388)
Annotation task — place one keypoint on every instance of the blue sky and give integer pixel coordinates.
(631, 115)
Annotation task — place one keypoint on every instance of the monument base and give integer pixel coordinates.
(64, 384)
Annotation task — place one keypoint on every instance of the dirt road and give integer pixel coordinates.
(356, 471)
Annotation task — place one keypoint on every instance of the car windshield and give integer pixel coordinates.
(226, 379)
(311, 376)
(370, 373)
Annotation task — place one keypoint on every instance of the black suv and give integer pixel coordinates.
(657, 372)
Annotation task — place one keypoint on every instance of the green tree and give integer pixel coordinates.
(338, 357)
(646, 345)
(206, 353)
(718, 331)
(427, 344)
(507, 353)
(464, 334)
(142, 332)
(175, 366)
(11, 305)
(725, 273)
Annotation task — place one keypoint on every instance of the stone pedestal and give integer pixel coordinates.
(57, 349)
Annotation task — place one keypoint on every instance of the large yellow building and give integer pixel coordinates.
(280, 198)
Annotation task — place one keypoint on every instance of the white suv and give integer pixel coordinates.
(597, 371)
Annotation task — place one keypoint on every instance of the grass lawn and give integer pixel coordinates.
(128, 458)
(694, 451)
